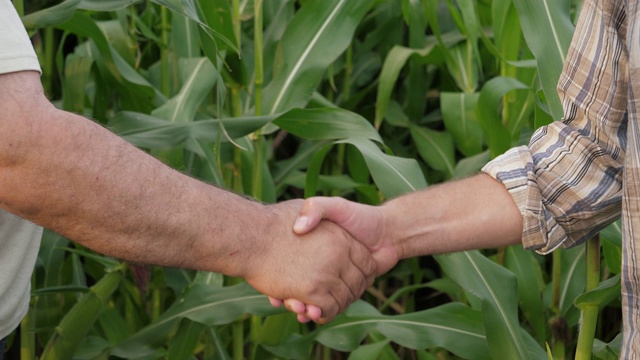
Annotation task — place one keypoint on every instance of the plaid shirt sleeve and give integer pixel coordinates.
(568, 182)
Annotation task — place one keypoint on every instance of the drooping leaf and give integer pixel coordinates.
(393, 64)
(445, 326)
(63, 11)
(326, 124)
(154, 133)
(498, 290)
(202, 304)
(393, 175)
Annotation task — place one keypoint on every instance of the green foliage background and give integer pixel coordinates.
(279, 99)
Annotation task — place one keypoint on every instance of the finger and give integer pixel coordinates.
(329, 308)
(313, 312)
(362, 275)
(303, 319)
(275, 302)
(309, 217)
(317, 208)
(295, 306)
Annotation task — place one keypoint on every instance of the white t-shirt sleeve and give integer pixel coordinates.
(16, 51)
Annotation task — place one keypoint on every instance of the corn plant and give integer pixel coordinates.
(280, 99)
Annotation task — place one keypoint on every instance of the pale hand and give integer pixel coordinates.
(365, 223)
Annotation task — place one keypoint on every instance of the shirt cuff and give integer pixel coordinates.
(514, 169)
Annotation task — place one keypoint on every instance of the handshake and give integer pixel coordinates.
(337, 247)
(336, 250)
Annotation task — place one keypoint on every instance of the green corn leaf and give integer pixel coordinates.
(220, 350)
(436, 148)
(202, 149)
(529, 274)
(51, 16)
(193, 11)
(471, 165)
(463, 67)
(93, 348)
(458, 114)
(198, 78)
(51, 259)
(418, 82)
(498, 290)
(141, 93)
(278, 15)
(497, 135)
(299, 161)
(611, 238)
(154, 133)
(203, 304)
(393, 64)
(342, 183)
(77, 72)
(77, 323)
(319, 32)
(185, 341)
(63, 11)
(393, 175)
(106, 5)
(573, 279)
(277, 328)
(504, 29)
(613, 233)
(607, 351)
(326, 124)
(369, 351)
(607, 291)
(113, 325)
(313, 173)
(217, 16)
(548, 30)
(445, 326)
(58, 290)
(119, 39)
(185, 37)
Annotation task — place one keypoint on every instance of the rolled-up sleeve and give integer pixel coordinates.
(568, 182)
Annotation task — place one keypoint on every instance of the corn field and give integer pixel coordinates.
(281, 99)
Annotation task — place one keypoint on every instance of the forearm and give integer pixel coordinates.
(76, 178)
(473, 213)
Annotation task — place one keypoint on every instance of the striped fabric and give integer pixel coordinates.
(579, 175)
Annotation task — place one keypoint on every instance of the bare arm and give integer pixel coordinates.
(473, 213)
(75, 177)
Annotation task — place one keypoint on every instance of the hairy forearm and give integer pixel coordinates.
(73, 176)
(473, 213)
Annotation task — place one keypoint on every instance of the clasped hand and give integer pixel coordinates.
(365, 226)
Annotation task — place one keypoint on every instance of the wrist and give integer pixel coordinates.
(235, 240)
(390, 230)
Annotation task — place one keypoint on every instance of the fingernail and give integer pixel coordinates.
(301, 223)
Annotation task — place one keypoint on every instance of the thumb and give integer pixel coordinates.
(315, 209)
